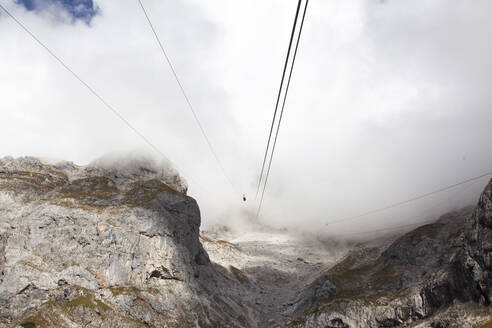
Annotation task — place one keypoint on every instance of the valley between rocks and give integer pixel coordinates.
(274, 264)
(435, 275)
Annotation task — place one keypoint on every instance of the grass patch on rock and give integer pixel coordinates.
(84, 307)
(238, 274)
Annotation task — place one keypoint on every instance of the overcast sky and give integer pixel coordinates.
(389, 99)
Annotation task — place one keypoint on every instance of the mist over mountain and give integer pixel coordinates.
(145, 183)
(389, 100)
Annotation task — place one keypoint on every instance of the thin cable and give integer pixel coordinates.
(395, 228)
(410, 200)
(282, 110)
(190, 106)
(111, 108)
(88, 87)
(398, 227)
(278, 97)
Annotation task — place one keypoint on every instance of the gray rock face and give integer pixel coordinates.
(432, 270)
(478, 238)
(97, 246)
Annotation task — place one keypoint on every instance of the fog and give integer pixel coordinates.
(389, 100)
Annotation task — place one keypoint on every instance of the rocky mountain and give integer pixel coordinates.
(438, 275)
(117, 243)
(107, 246)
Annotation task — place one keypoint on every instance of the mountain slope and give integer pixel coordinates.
(424, 278)
(97, 246)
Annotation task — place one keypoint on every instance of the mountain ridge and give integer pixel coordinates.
(118, 244)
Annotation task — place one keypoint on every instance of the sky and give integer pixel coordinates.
(389, 100)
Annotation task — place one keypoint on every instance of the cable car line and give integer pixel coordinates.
(429, 220)
(283, 106)
(394, 228)
(278, 96)
(384, 208)
(185, 95)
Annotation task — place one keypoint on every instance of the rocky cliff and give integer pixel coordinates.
(107, 245)
(438, 275)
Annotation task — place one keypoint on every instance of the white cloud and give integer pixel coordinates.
(388, 99)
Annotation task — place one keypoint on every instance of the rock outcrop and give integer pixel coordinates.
(438, 275)
(106, 246)
(478, 246)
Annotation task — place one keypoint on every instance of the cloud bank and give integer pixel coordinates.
(388, 100)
